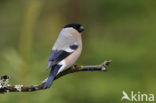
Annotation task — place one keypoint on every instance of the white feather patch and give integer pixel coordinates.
(69, 50)
(63, 63)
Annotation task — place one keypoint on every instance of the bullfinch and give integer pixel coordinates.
(65, 51)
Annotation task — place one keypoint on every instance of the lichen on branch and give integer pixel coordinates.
(5, 87)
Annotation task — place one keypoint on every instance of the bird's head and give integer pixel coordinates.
(76, 26)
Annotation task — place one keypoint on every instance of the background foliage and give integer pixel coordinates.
(123, 31)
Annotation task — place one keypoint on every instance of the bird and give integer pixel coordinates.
(65, 51)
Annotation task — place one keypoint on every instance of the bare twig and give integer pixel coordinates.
(5, 87)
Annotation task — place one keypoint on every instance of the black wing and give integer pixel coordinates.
(57, 55)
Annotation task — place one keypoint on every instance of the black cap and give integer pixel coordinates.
(76, 26)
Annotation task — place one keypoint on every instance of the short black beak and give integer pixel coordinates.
(81, 28)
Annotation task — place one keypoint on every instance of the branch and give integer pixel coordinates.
(5, 87)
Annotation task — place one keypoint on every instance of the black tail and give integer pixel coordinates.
(51, 77)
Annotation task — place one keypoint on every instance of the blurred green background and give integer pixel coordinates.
(123, 31)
